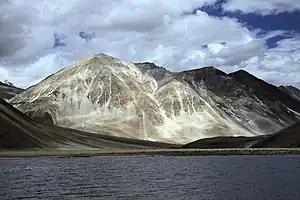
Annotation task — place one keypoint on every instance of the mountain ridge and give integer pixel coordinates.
(143, 101)
(8, 91)
(292, 91)
(18, 131)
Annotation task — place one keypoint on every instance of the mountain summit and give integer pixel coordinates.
(144, 101)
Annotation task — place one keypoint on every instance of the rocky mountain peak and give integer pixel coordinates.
(144, 101)
(203, 72)
(263, 90)
(160, 74)
(147, 65)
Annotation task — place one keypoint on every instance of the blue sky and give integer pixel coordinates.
(286, 21)
(262, 37)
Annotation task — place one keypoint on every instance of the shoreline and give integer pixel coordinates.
(148, 152)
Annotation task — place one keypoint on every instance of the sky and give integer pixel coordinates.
(37, 38)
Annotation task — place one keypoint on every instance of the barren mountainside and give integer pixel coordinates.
(8, 91)
(285, 138)
(144, 101)
(292, 91)
(17, 131)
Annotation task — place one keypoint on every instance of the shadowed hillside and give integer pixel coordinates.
(17, 131)
(8, 91)
(286, 138)
(292, 91)
(147, 102)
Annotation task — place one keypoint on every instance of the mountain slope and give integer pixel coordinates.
(223, 142)
(143, 101)
(292, 91)
(17, 131)
(8, 91)
(286, 138)
(248, 101)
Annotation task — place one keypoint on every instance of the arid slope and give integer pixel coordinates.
(18, 131)
(286, 138)
(8, 91)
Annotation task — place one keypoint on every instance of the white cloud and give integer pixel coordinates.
(263, 7)
(280, 65)
(33, 72)
(12, 34)
(135, 30)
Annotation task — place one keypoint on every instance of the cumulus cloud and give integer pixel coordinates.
(280, 65)
(135, 30)
(13, 23)
(263, 7)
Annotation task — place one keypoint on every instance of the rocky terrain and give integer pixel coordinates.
(292, 91)
(146, 102)
(286, 138)
(8, 91)
(18, 131)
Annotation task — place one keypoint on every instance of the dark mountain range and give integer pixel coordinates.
(292, 91)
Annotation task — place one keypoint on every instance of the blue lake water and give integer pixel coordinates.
(158, 177)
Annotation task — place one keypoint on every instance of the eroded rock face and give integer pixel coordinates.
(8, 90)
(143, 101)
(260, 107)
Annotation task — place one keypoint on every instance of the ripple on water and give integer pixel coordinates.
(142, 177)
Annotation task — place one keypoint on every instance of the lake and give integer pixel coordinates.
(156, 177)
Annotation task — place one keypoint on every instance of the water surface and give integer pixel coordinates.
(158, 177)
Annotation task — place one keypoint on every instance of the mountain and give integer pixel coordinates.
(18, 131)
(144, 101)
(8, 91)
(160, 74)
(223, 142)
(285, 138)
(259, 106)
(292, 91)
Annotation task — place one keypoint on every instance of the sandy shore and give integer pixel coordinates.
(150, 152)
